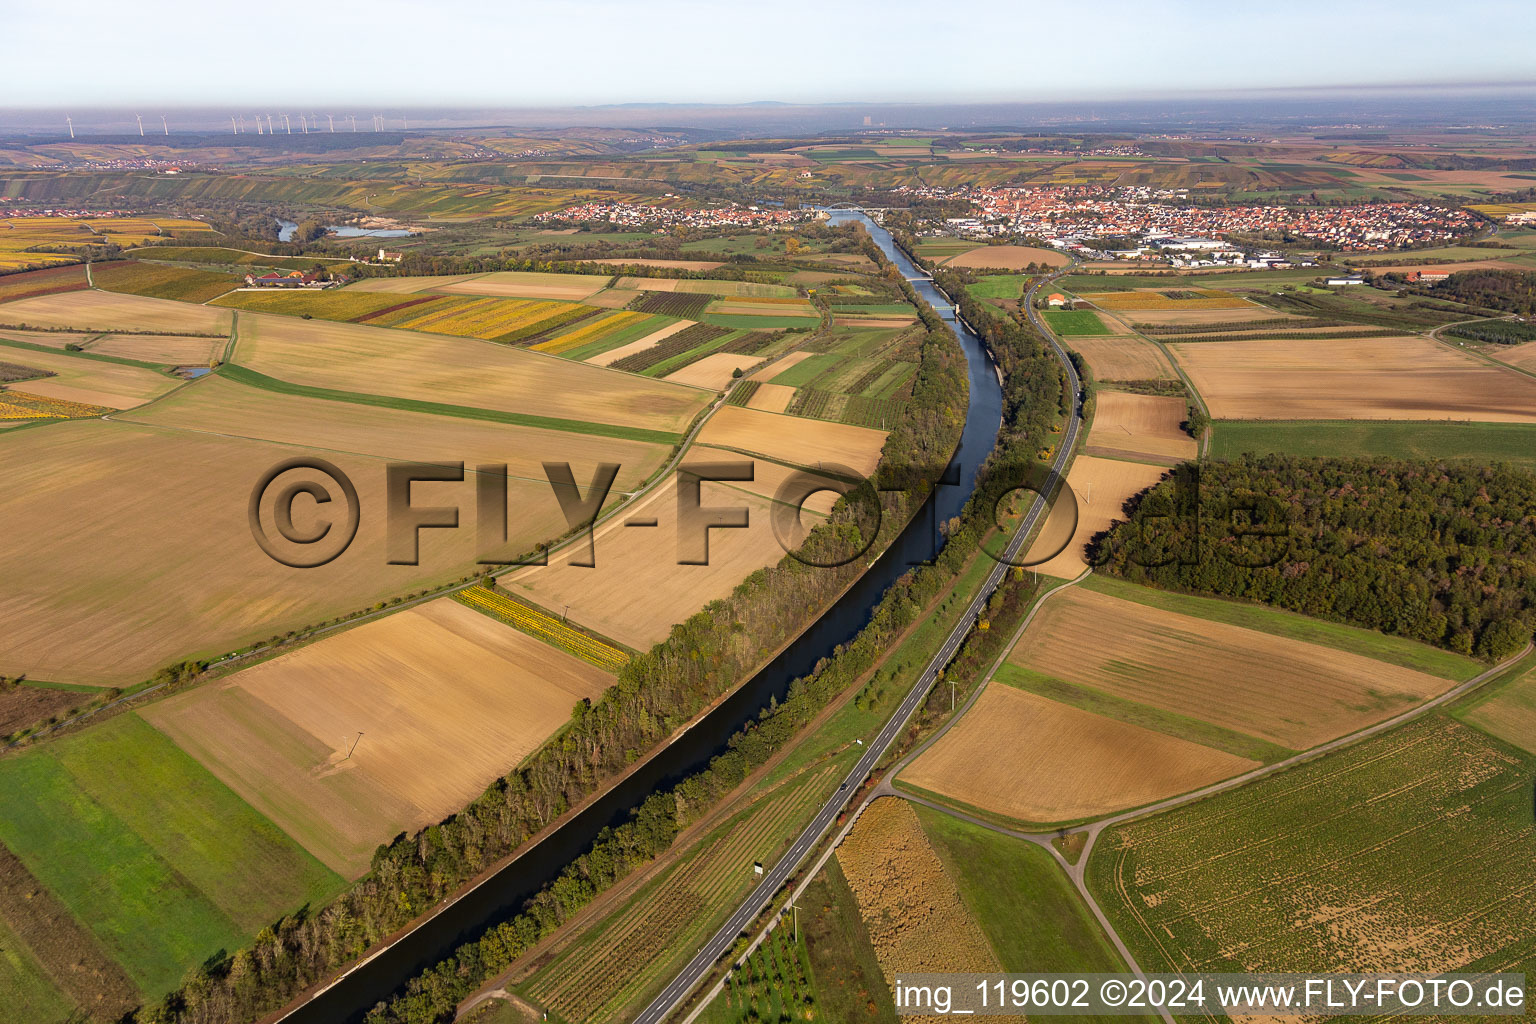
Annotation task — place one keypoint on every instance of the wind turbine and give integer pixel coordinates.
(286, 123)
(71, 125)
(354, 122)
(140, 119)
(304, 124)
(405, 121)
(270, 130)
(233, 128)
(164, 125)
(332, 122)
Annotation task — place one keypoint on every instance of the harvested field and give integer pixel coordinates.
(783, 365)
(159, 348)
(1035, 760)
(793, 440)
(92, 381)
(1007, 257)
(613, 355)
(529, 285)
(1509, 712)
(713, 371)
(771, 397)
(1123, 357)
(910, 906)
(409, 285)
(603, 598)
(445, 700)
(1410, 378)
(231, 409)
(1102, 487)
(1453, 268)
(613, 298)
(1523, 356)
(1289, 692)
(151, 581)
(457, 371)
(873, 321)
(1409, 852)
(109, 311)
(741, 289)
(1143, 424)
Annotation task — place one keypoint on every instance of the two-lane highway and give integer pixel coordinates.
(762, 895)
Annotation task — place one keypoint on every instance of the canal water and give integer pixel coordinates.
(504, 894)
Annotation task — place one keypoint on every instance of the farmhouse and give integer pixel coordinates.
(291, 279)
(1429, 276)
(390, 255)
(1056, 299)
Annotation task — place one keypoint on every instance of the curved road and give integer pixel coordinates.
(721, 942)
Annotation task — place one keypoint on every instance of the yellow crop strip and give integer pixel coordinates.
(543, 627)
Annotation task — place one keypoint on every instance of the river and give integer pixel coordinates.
(503, 894)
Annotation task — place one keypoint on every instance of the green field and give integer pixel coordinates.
(1408, 851)
(849, 982)
(160, 861)
(1023, 901)
(998, 286)
(1514, 443)
(759, 323)
(1393, 650)
(1074, 322)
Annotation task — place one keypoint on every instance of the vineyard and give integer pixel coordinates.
(11, 372)
(491, 319)
(683, 305)
(543, 626)
(683, 341)
(42, 282)
(1284, 336)
(25, 241)
(159, 282)
(743, 392)
(617, 327)
(1495, 332)
(672, 915)
(1407, 852)
(18, 405)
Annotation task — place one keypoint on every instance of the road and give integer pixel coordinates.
(775, 878)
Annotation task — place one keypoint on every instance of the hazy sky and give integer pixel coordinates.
(451, 52)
